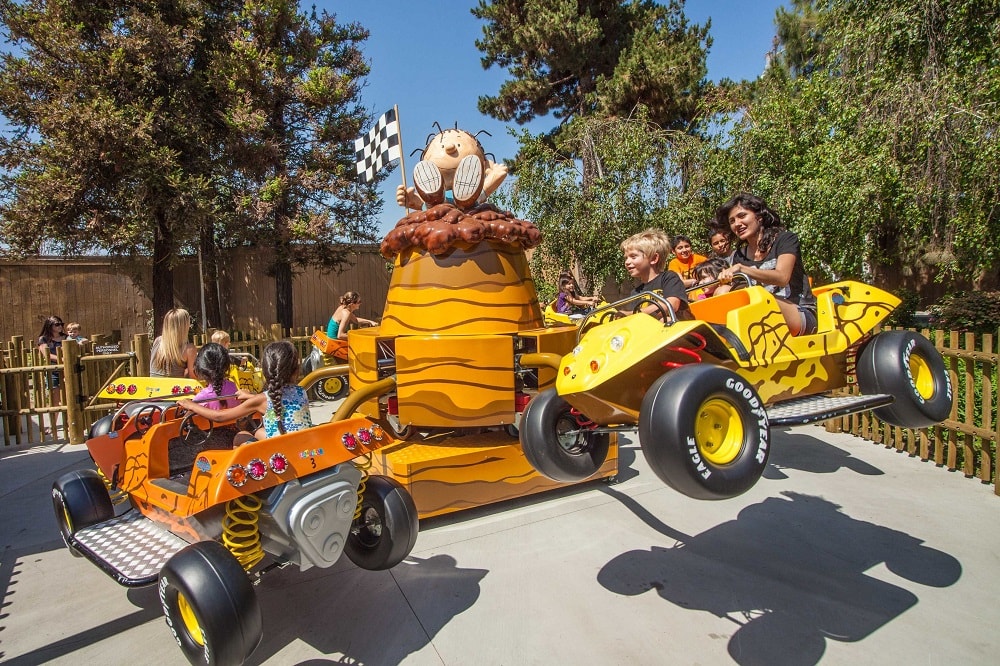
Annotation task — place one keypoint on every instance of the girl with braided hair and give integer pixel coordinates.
(283, 403)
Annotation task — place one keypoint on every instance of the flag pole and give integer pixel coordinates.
(402, 164)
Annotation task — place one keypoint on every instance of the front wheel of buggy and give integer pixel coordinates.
(556, 444)
(210, 605)
(386, 529)
(907, 366)
(704, 431)
(80, 499)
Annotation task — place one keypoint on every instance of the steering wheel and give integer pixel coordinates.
(664, 316)
(144, 418)
(191, 432)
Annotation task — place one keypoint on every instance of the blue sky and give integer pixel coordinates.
(424, 59)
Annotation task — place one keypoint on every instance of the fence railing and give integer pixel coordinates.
(967, 440)
(32, 411)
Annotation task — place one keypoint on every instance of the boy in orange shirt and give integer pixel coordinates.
(685, 260)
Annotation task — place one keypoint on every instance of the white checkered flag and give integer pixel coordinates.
(377, 149)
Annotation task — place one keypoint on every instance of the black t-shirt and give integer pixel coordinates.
(667, 283)
(797, 290)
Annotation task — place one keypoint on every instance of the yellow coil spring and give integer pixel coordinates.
(363, 464)
(240, 533)
(117, 494)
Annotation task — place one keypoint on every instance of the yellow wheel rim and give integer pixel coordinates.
(718, 431)
(69, 521)
(333, 385)
(190, 620)
(922, 377)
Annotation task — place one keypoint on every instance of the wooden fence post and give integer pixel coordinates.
(140, 347)
(72, 392)
(277, 333)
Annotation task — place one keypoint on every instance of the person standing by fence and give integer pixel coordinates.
(49, 342)
(172, 355)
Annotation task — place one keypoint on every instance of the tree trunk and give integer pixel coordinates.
(163, 272)
(283, 289)
(210, 270)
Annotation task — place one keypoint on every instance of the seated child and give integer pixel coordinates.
(211, 366)
(645, 259)
(283, 403)
(568, 301)
(708, 271)
(222, 338)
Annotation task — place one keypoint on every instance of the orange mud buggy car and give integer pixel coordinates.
(703, 394)
(206, 519)
(327, 352)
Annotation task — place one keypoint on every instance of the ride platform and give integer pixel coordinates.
(463, 472)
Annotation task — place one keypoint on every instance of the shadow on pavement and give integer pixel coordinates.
(359, 614)
(810, 454)
(789, 573)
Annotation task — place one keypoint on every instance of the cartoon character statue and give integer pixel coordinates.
(453, 162)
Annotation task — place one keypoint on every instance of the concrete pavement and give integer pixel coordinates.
(844, 553)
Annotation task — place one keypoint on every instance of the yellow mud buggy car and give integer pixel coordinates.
(703, 394)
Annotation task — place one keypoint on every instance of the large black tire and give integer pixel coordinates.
(555, 443)
(704, 432)
(387, 528)
(210, 605)
(908, 367)
(332, 388)
(80, 499)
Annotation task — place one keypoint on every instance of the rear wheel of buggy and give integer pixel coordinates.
(907, 366)
(704, 432)
(80, 499)
(332, 388)
(210, 605)
(556, 444)
(385, 531)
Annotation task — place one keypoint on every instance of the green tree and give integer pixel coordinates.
(603, 68)
(595, 58)
(877, 136)
(291, 82)
(110, 129)
(638, 173)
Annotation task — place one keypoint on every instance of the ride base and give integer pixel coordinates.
(463, 472)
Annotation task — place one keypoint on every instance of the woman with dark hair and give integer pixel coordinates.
(769, 254)
(49, 342)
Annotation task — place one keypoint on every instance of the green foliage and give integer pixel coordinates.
(150, 128)
(904, 314)
(583, 227)
(600, 57)
(975, 311)
(876, 134)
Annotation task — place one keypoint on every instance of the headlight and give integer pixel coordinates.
(617, 343)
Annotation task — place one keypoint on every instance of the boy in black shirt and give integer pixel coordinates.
(645, 257)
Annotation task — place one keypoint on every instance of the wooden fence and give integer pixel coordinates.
(110, 297)
(28, 411)
(966, 441)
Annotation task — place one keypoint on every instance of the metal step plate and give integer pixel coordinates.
(799, 411)
(130, 548)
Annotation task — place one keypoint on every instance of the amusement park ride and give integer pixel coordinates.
(462, 397)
